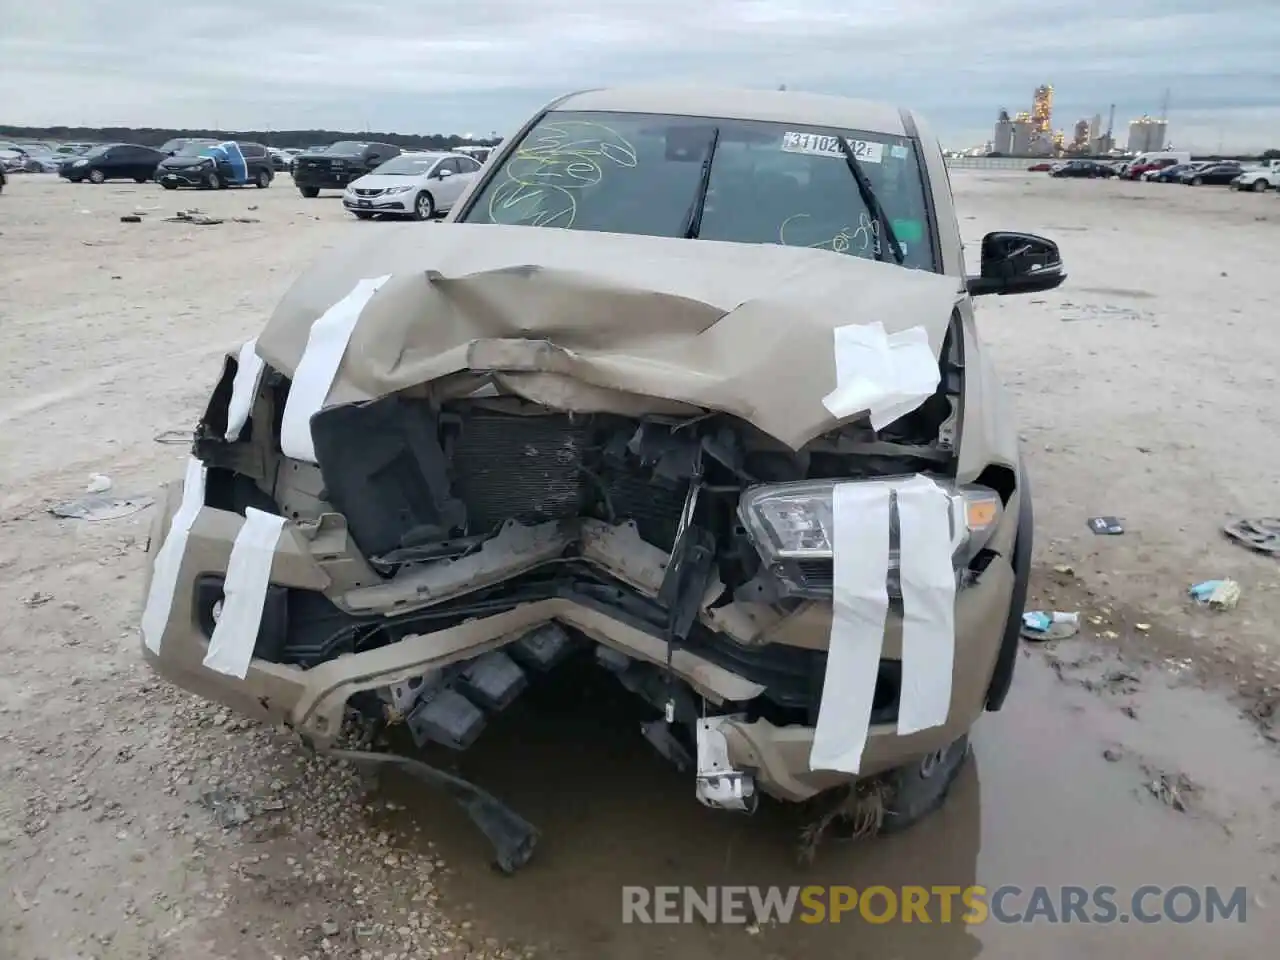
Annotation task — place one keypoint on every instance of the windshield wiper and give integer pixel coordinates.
(871, 202)
(693, 222)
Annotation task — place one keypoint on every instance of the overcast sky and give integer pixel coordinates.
(424, 66)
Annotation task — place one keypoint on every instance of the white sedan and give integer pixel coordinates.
(417, 185)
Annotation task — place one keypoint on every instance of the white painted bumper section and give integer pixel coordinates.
(244, 592)
(164, 576)
(318, 366)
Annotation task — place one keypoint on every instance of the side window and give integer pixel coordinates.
(252, 151)
(468, 165)
(450, 164)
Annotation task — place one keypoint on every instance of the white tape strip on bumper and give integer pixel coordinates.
(925, 546)
(927, 539)
(244, 592)
(326, 344)
(164, 574)
(859, 607)
(888, 375)
(244, 389)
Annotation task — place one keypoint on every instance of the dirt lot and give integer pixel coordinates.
(1143, 752)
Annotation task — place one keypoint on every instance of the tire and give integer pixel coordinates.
(362, 214)
(424, 206)
(211, 181)
(1197, 181)
(1260, 186)
(139, 179)
(264, 179)
(168, 186)
(97, 176)
(309, 192)
(920, 788)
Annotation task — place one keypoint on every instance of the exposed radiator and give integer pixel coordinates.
(539, 468)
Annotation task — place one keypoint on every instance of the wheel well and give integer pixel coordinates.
(1007, 658)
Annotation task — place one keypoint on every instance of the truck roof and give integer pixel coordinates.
(782, 106)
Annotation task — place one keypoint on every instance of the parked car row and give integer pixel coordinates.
(1171, 167)
(205, 163)
(36, 156)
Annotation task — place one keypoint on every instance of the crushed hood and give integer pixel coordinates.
(577, 319)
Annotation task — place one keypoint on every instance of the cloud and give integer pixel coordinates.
(486, 64)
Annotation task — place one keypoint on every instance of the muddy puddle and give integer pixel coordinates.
(1095, 774)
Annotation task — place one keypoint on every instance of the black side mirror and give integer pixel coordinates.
(1017, 263)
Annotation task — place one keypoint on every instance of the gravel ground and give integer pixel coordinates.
(137, 822)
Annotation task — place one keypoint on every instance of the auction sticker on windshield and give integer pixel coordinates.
(820, 145)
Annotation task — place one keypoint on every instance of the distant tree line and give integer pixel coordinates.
(154, 136)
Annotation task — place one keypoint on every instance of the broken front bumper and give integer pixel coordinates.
(312, 701)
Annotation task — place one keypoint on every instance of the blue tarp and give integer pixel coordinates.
(229, 153)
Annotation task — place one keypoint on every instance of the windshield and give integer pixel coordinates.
(407, 165)
(769, 183)
(193, 148)
(346, 146)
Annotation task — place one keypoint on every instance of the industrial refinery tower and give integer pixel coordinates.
(1042, 108)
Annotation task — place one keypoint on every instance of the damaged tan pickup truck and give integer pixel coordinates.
(686, 388)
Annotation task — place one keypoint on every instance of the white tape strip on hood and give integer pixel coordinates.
(312, 380)
(926, 538)
(244, 389)
(244, 593)
(888, 375)
(859, 606)
(164, 574)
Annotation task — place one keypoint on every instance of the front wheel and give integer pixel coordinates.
(362, 214)
(97, 176)
(424, 207)
(168, 186)
(264, 179)
(309, 192)
(211, 181)
(1260, 186)
(140, 179)
(918, 789)
(1197, 182)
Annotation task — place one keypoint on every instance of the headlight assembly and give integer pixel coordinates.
(399, 189)
(792, 528)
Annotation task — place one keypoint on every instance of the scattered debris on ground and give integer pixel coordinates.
(1216, 594)
(1173, 790)
(1055, 625)
(97, 507)
(1262, 535)
(1106, 526)
(193, 216)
